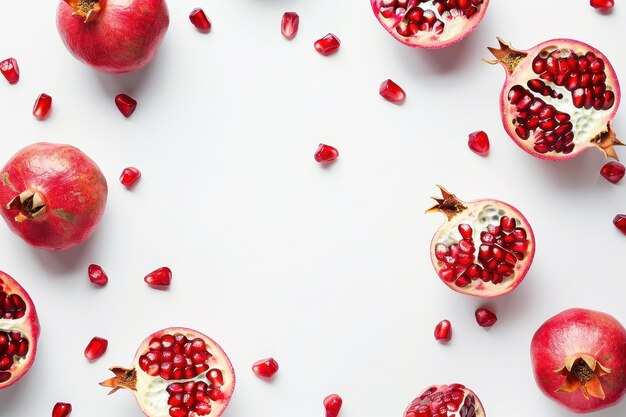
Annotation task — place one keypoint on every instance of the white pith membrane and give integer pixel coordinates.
(455, 399)
(435, 28)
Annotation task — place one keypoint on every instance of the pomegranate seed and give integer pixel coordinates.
(265, 368)
(61, 410)
(620, 222)
(126, 104)
(129, 176)
(42, 106)
(485, 318)
(97, 275)
(443, 331)
(332, 404)
(10, 70)
(96, 348)
(613, 171)
(161, 277)
(479, 142)
(602, 5)
(392, 92)
(326, 153)
(327, 45)
(289, 25)
(199, 20)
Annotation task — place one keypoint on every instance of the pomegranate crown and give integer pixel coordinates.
(448, 204)
(506, 55)
(85, 9)
(584, 372)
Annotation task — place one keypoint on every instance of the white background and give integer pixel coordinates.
(327, 270)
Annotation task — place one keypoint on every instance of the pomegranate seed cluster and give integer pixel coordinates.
(12, 345)
(175, 357)
(191, 398)
(446, 403)
(12, 306)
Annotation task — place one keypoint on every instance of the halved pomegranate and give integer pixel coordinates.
(446, 401)
(19, 331)
(429, 24)
(559, 98)
(178, 372)
(505, 241)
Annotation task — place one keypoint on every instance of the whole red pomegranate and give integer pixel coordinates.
(579, 359)
(52, 196)
(505, 240)
(113, 36)
(422, 24)
(446, 401)
(178, 372)
(559, 98)
(19, 331)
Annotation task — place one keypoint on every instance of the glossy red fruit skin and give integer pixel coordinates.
(97, 275)
(327, 45)
(443, 331)
(620, 222)
(574, 332)
(130, 176)
(10, 70)
(125, 104)
(61, 410)
(42, 106)
(96, 348)
(485, 318)
(332, 404)
(289, 25)
(478, 142)
(161, 277)
(392, 92)
(265, 368)
(124, 36)
(71, 186)
(326, 153)
(613, 171)
(199, 20)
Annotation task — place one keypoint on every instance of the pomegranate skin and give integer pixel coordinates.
(576, 332)
(71, 186)
(124, 36)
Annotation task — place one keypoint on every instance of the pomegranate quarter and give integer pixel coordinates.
(445, 401)
(505, 241)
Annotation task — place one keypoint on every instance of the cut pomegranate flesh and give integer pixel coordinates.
(61, 410)
(289, 25)
(42, 106)
(125, 104)
(478, 142)
(602, 5)
(265, 368)
(392, 92)
(161, 277)
(443, 331)
(620, 222)
(97, 275)
(96, 348)
(327, 45)
(485, 318)
(332, 405)
(130, 176)
(199, 20)
(10, 70)
(613, 171)
(445, 401)
(326, 153)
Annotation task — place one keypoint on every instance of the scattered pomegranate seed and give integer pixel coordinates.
(126, 104)
(199, 20)
(161, 277)
(129, 176)
(327, 45)
(620, 222)
(392, 92)
(42, 107)
(326, 153)
(10, 70)
(96, 348)
(61, 410)
(479, 143)
(485, 318)
(443, 331)
(332, 404)
(602, 5)
(97, 275)
(289, 25)
(613, 171)
(265, 368)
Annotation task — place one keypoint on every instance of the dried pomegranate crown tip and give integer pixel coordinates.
(29, 203)
(85, 9)
(606, 141)
(584, 372)
(448, 204)
(124, 378)
(506, 55)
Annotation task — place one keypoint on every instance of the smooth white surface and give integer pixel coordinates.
(327, 270)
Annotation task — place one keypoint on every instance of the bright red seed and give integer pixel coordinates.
(265, 368)
(126, 104)
(129, 176)
(613, 171)
(10, 70)
(443, 331)
(479, 142)
(392, 92)
(602, 5)
(620, 222)
(42, 106)
(161, 277)
(327, 45)
(96, 348)
(289, 25)
(485, 318)
(326, 153)
(332, 404)
(199, 20)
(61, 410)
(97, 275)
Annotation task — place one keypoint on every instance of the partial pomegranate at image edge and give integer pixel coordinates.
(178, 372)
(453, 400)
(52, 195)
(505, 241)
(431, 26)
(113, 36)
(19, 331)
(579, 359)
(559, 98)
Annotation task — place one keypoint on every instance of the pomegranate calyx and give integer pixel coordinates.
(29, 203)
(85, 9)
(509, 57)
(448, 204)
(584, 372)
(124, 378)
(606, 140)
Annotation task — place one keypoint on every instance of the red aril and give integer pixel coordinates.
(61, 410)
(265, 368)
(199, 20)
(161, 277)
(445, 401)
(96, 348)
(51, 195)
(19, 331)
(327, 45)
(130, 176)
(485, 318)
(332, 404)
(478, 142)
(289, 25)
(603, 6)
(125, 104)
(97, 275)
(326, 153)
(10, 70)
(392, 92)
(42, 106)
(620, 222)
(178, 372)
(559, 98)
(579, 359)
(484, 248)
(443, 331)
(613, 171)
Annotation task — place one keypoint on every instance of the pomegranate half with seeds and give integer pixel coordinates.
(446, 401)
(484, 248)
(178, 372)
(559, 98)
(429, 24)
(19, 331)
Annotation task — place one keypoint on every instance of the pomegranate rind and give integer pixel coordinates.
(478, 406)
